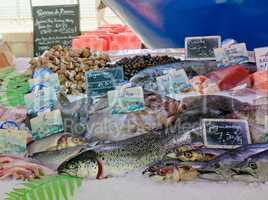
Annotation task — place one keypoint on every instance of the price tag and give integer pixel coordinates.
(261, 55)
(46, 124)
(126, 100)
(99, 82)
(234, 54)
(175, 84)
(201, 48)
(47, 81)
(225, 133)
(40, 100)
(13, 141)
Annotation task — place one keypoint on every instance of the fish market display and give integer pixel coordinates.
(55, 142)
(135, 64)
(70, 65)
(19, 168)
(118, 158)
(168, 119)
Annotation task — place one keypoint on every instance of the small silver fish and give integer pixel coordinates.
(219, 169)
(253, 169)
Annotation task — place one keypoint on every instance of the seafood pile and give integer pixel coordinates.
(135, 64)
(196, 120)
(70, 65)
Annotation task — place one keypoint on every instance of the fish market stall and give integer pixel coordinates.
(195, 127)
(79, 123)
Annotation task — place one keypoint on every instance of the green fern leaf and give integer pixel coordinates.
(60, 187)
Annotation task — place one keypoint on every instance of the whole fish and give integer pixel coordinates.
(173, 170)
(53, 159)
(199, 154)
(219, 169)
(55, 142)
(253, 169)
(118, 158)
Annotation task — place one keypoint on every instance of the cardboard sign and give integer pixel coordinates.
(126, 100)
(46, 124)
(41, 99)
(201, 48)
(13, 141)
(48, 81)
(234, 54)
(99, 82)
(261, 55)
(225, 133)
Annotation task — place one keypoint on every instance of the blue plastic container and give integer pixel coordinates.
(165, 23)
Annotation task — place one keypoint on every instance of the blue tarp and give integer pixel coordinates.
(165, 23)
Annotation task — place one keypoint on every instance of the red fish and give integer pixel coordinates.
(229, 77)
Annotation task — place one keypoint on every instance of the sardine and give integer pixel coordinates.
(199, 154)
(219, 169)
(55, 142)
(118, 158)
(253, 169)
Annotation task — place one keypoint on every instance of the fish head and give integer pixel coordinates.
(83, 165)
(254, 168)
(246, 171)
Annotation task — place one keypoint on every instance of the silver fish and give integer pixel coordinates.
(253, 169)
(219, 169)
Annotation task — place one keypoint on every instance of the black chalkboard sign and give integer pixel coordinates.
(201, 48)
(54, 24)
(99, 82)
(225, 133)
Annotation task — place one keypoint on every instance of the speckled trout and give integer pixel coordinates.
(119, 158)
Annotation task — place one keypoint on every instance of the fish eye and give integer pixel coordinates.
(76, 140)
(188, 154)
(217, 165)
(252, 165)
